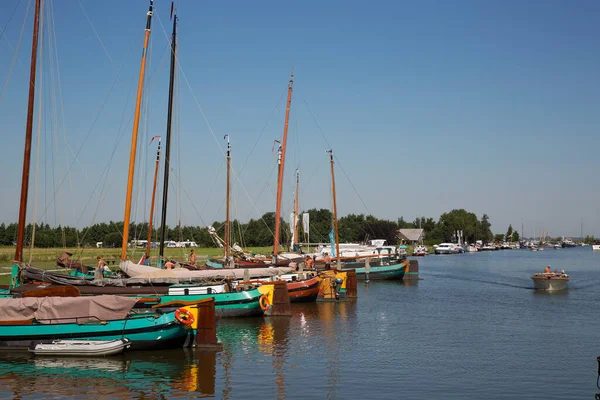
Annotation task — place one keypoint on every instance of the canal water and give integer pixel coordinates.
(472, 328)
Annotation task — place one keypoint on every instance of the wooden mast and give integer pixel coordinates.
(28, 136)
(335, 220)
(163, 219)
(295, 237)
(134, 135)
(228, 201)
(281, 165)
(153, 197)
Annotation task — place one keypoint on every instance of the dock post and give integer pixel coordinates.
(281, 301)
(351, 291)
(412, 270)
(206, 333)
(367, 269)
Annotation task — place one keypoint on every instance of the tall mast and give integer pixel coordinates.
(28, 135)
(163, 219)
(134, 135)
(228, 201)
(335, 220)
(295, 237)
(281, 165)
(153, 197)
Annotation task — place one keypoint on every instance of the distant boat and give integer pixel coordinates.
(596, 245)
(471, 249)
(550, 281)
(420, 251)
(448, 248)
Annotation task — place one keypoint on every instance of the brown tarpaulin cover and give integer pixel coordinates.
(104, 308)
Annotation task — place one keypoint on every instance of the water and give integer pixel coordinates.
(473, 328)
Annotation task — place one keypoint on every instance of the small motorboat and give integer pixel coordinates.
(81, 348)
(420, 251)
(550, 280)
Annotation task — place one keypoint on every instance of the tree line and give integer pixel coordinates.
(259, 232)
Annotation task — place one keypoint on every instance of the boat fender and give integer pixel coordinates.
(184, 316)
(264, 302)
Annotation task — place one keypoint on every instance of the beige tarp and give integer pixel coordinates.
(105, 308)
(144, 271)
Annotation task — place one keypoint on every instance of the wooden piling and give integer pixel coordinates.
(281, 301)
(412, 270)
(351, 291)
(206, 333)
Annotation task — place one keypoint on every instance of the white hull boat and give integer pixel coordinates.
(550, 281)
(596, 247)
(448, 248)
(81, 348)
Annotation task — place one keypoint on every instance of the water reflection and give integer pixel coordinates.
(136, 374)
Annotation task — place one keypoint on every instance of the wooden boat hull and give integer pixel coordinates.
(227, 305)
(145, 332)
(549, 282)
(378, 272)
(304, 291)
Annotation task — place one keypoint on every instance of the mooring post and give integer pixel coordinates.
(206, 333)
(281, 300)
(351, 290)
(367, 269)
(412, 270)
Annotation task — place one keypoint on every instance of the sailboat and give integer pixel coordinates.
(161, 290)
(385, 267)
(35, 320)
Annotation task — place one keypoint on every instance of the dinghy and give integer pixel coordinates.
(81, 348)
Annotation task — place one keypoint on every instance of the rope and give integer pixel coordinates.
(208, 125)
(16, 52)
(9, 18)
(39, 132)
(338, 162)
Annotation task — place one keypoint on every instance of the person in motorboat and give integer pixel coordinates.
(548, 270)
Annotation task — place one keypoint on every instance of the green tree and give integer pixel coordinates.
(113, 239)
(509, 233)
(485, 231)
(589, 239)
(515, 236)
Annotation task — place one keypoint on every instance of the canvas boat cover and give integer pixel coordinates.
(144, 271)
(67, 309)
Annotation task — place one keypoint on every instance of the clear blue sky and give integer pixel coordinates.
(428, 106)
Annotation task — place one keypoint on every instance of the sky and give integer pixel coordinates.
(427, 105)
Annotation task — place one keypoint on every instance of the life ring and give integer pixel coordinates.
(184, 316)
(264, 302)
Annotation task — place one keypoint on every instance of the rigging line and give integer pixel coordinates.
(9, 19)
(98, 37)
(203, 115)
(283, 92)
(337, 159)
(12, 64)
(211, 190)
(39, 130)
(54, 63)
(260, 195)
(119, 137)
